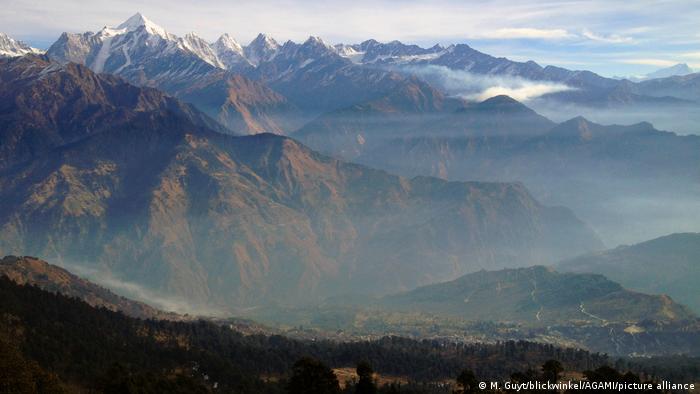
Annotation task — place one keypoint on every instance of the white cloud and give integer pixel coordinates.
(649, 62)
(481, 87)
(611, 39)
(523, 92)
(691, 55)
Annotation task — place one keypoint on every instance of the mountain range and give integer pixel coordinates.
(161, 161)
(537, 303)
(311, 78)
(161, 199)
(600, 171)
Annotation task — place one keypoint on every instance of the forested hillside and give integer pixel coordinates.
(90, 348)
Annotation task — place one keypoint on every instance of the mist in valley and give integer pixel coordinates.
(136, 291)
(682, 119)
(624, 213)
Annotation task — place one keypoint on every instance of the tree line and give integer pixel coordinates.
(52, 343)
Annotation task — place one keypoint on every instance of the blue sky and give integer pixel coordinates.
(610, 37)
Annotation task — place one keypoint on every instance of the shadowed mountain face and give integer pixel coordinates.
(537, 295)
(32, 271)
(45, 105)
(669, 265)
(238, 221)
(316, 79)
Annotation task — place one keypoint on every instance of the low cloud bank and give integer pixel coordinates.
(477, 87)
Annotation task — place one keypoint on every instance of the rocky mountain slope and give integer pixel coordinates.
(171, 205)
(243, 105)
(45, 105)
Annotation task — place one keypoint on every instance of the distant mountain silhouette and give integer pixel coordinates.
(666, 265)
(537, 295)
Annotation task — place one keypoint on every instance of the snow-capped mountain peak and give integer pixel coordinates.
(195, 44)
(9, 47)
(313, 48)
(229, 52)
(265, 40)
(317, 40)
(678, 69)
(352, 52)
(228, 42)
(262, 48)
(138, 20)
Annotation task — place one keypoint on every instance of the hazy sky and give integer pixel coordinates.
(611, 37)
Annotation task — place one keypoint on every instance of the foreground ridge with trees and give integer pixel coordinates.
(52, 343)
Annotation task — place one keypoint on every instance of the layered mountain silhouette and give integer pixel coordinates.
(419, 111)
(668, 265)
(346, 133)
(598, 170)
(682, 86)
(578, 145)
(166, 202)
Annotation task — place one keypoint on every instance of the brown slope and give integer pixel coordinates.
(242, 220)
(242, 105)
(30, 270)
